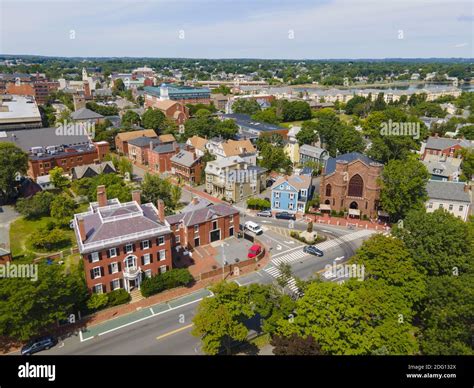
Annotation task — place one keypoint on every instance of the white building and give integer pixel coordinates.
(451, 196)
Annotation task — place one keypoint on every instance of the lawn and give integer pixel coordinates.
(20, 231)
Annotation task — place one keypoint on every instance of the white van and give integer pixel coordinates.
(253, 227)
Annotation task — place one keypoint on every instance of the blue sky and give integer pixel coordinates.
(295, 29)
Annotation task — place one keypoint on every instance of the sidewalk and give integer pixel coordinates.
(340, 221)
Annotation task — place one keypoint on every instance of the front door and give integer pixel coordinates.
(215, 235)
(131, 284)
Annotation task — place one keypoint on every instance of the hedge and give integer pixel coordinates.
(165, 281)
(258, 204)
(118, 297)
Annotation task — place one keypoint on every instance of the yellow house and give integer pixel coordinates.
(292, 148)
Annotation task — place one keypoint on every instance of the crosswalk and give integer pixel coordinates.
(296, 254)
(275, 272)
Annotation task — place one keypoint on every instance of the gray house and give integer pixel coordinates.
(310, 153)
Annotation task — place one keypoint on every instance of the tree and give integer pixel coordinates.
(62, 209)
(49, 239)
(155, 188)
(403, 187)
(57, 178)
(38, 205)
(267, 116)
(440, 243)
(175, 195)
(220, 320)
(308, 133)
(447, 316)
(118, 87)
(27, 307)
(13, 161)
(387, 259)
(293, 110)
(276, 159)
(285, 275)
(295, 346)
(248, 106)
(130, 118)
(153, 119)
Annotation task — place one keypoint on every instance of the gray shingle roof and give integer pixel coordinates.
(441, 143)
(314, 152)
(450, 191)
(165, 148)
(195, 217)
(97, 168)
(185, 158)
(85, 114)
(144, 141)
(350, 157)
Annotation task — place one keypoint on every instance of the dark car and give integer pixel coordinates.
(265, 213)
(285, 216)
(38, 344)
(312, 250)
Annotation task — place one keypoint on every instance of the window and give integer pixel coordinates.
(161, 240)
(162, 255)
(113, 252)
(277, 194)
(114, 267)
(303, 193)
(130, 262)
(292, 196)
(95, 257)
(214, 225)
(148, 273)
(98, 289)
(146, 259)
(196, 228)
(277, 204)
(231, 219)
(129, 248)
(440, 206)
(291, 205)
(461, 207)
(430, 205)
(145, 244)
(115, 284)
(96, 272)
(163, 269)
(450, 207)
(356, 186)
(328, 190)
(178, 239)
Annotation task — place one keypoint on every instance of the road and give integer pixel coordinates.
(169, 331)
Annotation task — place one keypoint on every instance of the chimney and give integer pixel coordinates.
(82, 229)
(195, 200)
(151, 145)
(161, 210)
(466, 188)
(101, 196)
(137, 196)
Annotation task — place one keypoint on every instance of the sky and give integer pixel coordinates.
(282, 29)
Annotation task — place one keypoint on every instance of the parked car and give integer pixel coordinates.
(253, 227)
(312, 250)
(265, 213)
(38, 344)
(285, 216)
(254, 251)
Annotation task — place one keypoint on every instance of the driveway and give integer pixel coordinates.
(8, 214)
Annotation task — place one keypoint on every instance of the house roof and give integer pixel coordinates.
(350, 157)
(297, 181)
(165, 104)
(195, 217)
(85, 114)
(185, 158)
(441, 143)
(79, 171)
(245, 121)
(165, 148)
(144, 141)
(441, 166)
(197, 203)
(198, 142)
(167, 138)
(314, 152)
(127, 136)
(4, 252)
(449, 191)
(238, 147)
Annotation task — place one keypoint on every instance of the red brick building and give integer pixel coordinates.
(122, 139)
(187, 166)
(205, 225)
(445, 146)
(173, 110)
(349, 183)
(122, 243)
(138, 149)
(159, 157)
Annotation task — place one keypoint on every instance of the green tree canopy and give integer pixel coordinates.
(13, 161)
(153, 119)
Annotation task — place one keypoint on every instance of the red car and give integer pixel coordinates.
(254, 251)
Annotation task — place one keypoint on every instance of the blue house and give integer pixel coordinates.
(291, 193)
